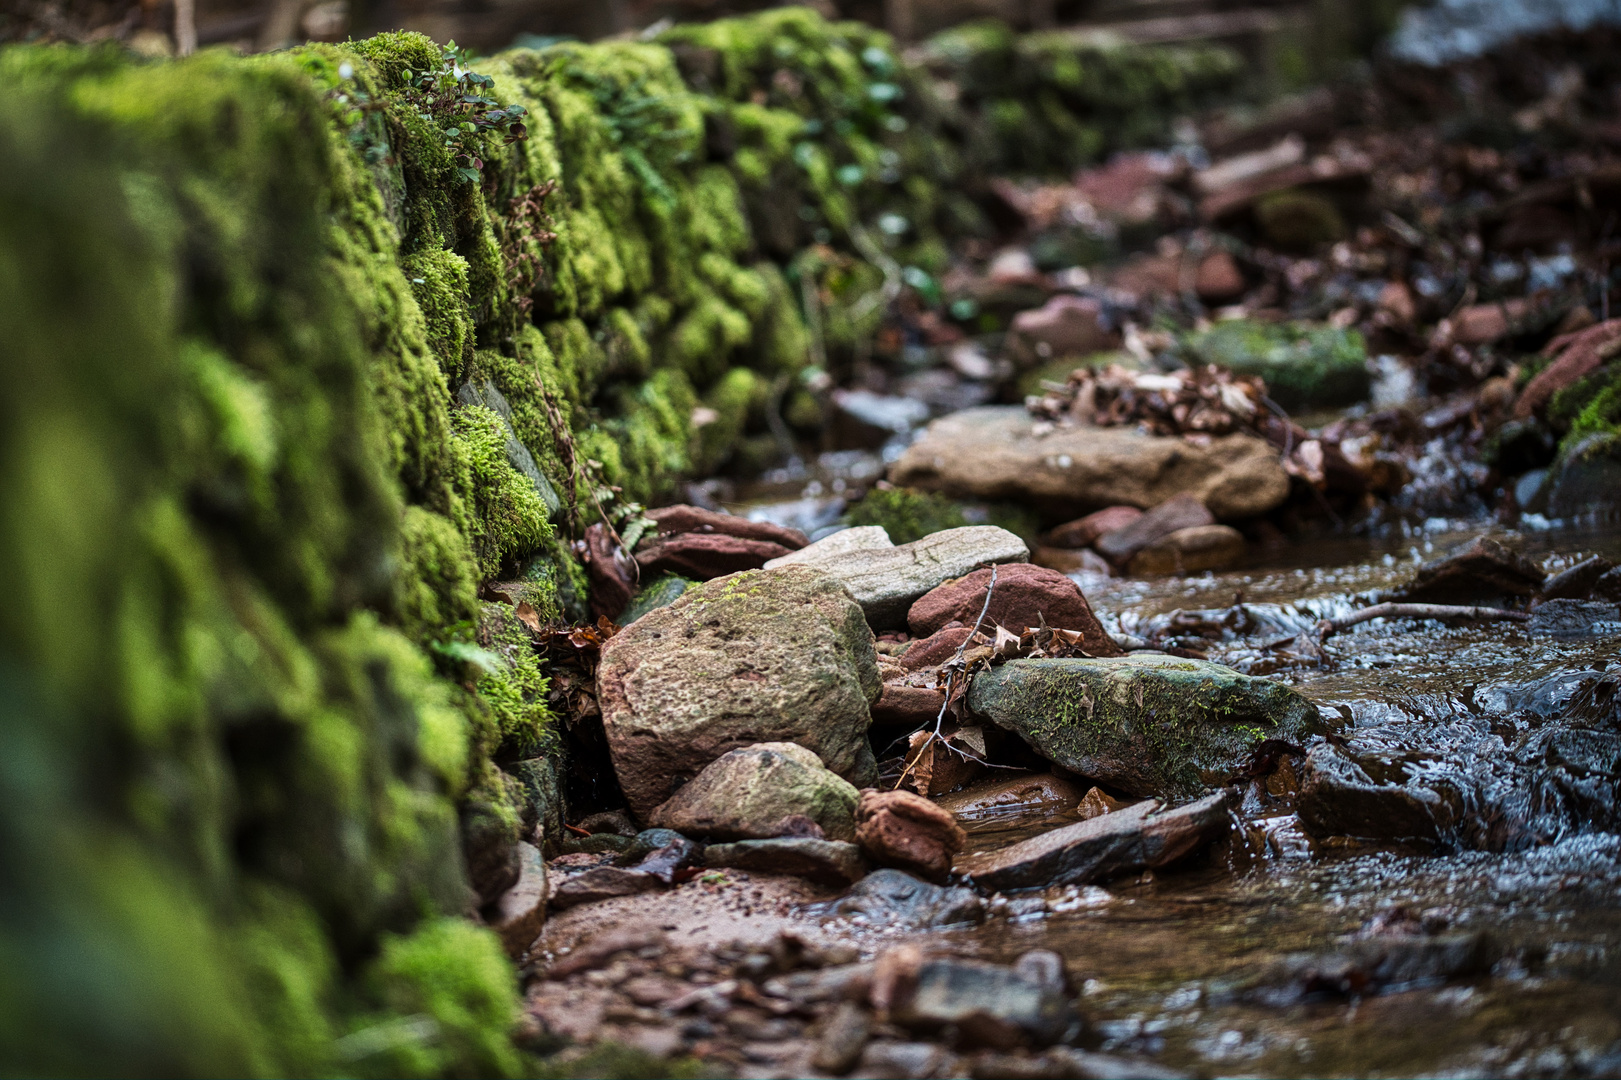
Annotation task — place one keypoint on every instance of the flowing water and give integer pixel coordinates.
(1284, 957)
(1496, 952)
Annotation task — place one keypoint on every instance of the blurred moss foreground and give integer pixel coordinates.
(284, 383)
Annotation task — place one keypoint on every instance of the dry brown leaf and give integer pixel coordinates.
(529, 616)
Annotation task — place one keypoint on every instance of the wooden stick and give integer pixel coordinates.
(1418, 611)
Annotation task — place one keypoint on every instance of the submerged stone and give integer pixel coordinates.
(987, 1004)
(803, 856)
(1143, 836)
(894, 897)
(1146, 725)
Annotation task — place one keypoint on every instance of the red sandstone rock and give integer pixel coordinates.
(704, 556)
(1024, 594)
(685, 519)
(900, 829)
(1219, 280)
(1178, 512)
(1083, 531)
(1068, 325)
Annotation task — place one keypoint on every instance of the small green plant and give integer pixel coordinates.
(452, 99)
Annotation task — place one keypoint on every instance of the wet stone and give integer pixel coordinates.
(986, 1005)
(1082, 532)
(819, 860)
(1145, 725)
(1190, 551)
(1576, 620)
(1143, 836)
(1391, 962)
(894, 897)
(1480, 572)
(1178, 512)
(746, 793)
(663, 853)
(1576, 582)
(1022, 793)
(603, 883)
(901, 829)
(1338, 797)
(1023, 596)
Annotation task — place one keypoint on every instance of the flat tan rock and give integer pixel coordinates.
(995, 452)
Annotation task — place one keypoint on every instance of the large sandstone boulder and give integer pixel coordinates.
(780, 655)
(994, 452)
(1147, 725)
(747, 794)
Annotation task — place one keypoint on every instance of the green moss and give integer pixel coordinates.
(506, 514)
(452, 998)
(728, 403)
(660, 592)
(1299, 220)
(1588, 406)
(515, 692)
(438, 579)
(1302, 366)
(439, 281)
(906, 515)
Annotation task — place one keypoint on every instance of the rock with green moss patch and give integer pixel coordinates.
(1304, 367)
(1586, 479)
(906, 515)
(780, 655)
(662, 591)
(746, 794)
(1147, 725)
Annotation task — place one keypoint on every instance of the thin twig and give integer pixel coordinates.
(950, 667)
(1418, 611)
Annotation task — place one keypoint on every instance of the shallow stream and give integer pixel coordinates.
(1247, 965)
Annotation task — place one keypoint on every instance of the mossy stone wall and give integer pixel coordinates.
(283, 389)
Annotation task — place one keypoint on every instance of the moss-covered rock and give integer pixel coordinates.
(1146, 725)
(1303, 367)
(242, 294)
(905, 514)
